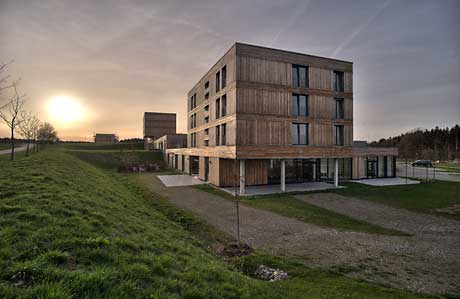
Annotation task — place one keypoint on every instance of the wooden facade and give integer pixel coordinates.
(259, 117)
(158, 124)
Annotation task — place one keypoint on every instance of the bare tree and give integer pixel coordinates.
(4, 82)
(28, 127)
(10, 114)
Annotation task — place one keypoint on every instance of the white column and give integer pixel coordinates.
(336, 173)
(242, 177)
(283, 175)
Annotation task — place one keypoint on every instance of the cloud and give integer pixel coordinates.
(360, 28)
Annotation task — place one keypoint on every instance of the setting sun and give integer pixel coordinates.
(65, 110)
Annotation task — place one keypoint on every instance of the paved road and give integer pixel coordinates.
(18, 148)
(421, 173)
(423, 262)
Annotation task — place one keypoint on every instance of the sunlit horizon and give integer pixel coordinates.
(64, 111)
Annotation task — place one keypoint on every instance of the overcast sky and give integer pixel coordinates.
(121, 58)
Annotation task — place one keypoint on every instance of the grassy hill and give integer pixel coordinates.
(69, 229)
(102, 146)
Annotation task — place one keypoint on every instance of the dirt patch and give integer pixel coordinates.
(232, 250)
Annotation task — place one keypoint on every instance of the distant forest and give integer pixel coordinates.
(434, 144)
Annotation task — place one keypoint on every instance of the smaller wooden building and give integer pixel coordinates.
(105, 138)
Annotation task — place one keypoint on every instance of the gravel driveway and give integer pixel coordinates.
(426, 262)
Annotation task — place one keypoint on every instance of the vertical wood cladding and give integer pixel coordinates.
(261, 101)
(263, 71)
(320, 78)
(157, 124)
(256, 172)
(264, 88)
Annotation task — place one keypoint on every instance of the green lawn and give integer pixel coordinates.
(449, 167)
(287, 205)
(69, 229)
(424, 198)
(111, 159)
(101, 146)
(4, 146)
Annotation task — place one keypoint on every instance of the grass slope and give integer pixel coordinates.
(71, 230)
(102, 146)
(289, 206)
(423, 198)
(4, 146)
(111, 159)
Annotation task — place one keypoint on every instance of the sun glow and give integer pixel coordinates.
(65, 110)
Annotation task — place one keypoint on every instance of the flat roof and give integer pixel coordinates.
(168, 113)
(292, 52)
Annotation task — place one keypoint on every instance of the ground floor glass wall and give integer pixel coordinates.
(309, 170)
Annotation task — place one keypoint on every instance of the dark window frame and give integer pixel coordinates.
(296, 72)
(223, 79)
(297, 127)
(339, 139)
(217, 81)
(217, 135)
(223, 132)
(339, 84)
(297, 104)
(223, 105)
(339, 108)
(217, 108)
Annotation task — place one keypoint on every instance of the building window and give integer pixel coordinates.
(206, 108)
(193, 140)
(338, 135)
(299, 76)
(224, 76)
(206, 143)
(206, 96)
(217, 108)
(206, 131)
(338, 81)
(224, 105)
(224, 134)
(206, 119)
(217, 135)
(299, 134)
(217, 82)
(339, 111)
(206, 85)
(299, 105)
(193, 102)
(193, 121)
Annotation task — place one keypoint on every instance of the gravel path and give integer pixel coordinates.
(386, 216)
(426, 262)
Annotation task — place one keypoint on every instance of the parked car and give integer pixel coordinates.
(422, 163)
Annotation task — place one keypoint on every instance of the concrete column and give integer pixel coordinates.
(336, 173)
(283, 175)
(242, 177)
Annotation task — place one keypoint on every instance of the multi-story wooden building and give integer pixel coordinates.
(156, 125)
(267, 116)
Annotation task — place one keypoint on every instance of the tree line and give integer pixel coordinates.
(435, 144)
(17, 119)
